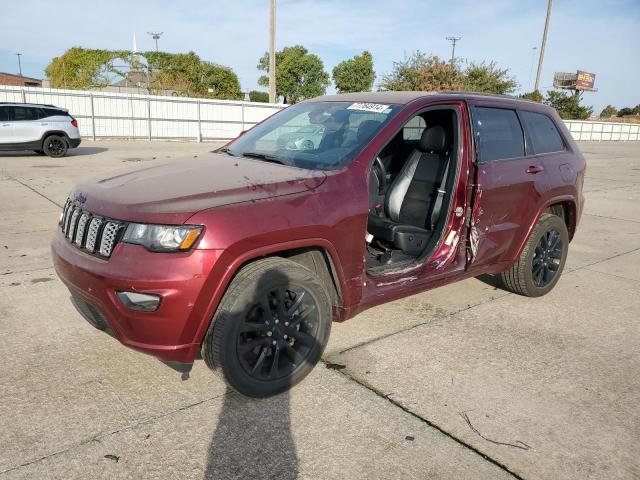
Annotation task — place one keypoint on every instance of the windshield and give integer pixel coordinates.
(315, 135)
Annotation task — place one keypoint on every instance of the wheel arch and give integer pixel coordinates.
(318, 255)
(60, 133)
(566, 204)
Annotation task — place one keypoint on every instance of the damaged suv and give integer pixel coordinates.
(246, 255)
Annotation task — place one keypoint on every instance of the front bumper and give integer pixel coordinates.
(181, 279)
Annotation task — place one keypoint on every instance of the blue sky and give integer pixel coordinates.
(592, 35)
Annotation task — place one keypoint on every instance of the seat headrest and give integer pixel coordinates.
(433, 139)
(366, 128)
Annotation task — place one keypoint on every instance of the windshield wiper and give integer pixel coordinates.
(262, 156)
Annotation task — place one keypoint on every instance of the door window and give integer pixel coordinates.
(24, 114)
(542, 134)
(4, 114)
(498, 134)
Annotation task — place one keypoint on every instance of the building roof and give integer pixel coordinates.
(20, 76)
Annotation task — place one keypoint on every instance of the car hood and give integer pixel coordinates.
(172, 192)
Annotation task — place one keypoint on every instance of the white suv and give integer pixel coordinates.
(41, 128)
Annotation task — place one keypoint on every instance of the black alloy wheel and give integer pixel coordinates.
(547, 258)
(540, 263)
(278, 333)
(55, 146)
(270, 328)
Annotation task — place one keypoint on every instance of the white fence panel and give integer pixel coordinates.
(586, 130)
(117, 115)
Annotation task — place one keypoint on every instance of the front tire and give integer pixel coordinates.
(55, 146)
(542, 260)
(270, 328)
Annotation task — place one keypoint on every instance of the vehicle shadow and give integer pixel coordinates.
(252, 440)
(492, 280)
(73, 152)
(253, 436)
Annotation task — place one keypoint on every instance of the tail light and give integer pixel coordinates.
(74, 122)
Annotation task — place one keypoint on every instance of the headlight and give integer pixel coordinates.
(162, 238)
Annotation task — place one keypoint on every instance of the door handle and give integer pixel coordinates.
(6, 125)
(535, 169)
(44, 124)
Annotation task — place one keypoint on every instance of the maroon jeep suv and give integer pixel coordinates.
(334, 205)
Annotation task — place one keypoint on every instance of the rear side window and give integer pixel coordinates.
(542, 133)
(4, 114)
(498, 134)
(24, 113)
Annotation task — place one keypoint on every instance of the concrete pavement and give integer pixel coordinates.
(466, 381)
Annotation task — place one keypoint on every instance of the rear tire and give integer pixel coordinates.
(542, 260)
(270, 328)
(55, 146)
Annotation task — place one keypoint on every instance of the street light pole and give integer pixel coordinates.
(19, 63)
(155, 36)
(272, 52)
(453, 41)
(544, 44)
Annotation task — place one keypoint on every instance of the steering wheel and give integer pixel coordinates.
(382, 171)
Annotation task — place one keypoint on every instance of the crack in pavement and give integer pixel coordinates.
(96, 438)
(428, 422)
(469, 307)
(35, 191)
(612, 275)
(411, 327)
(610, 218)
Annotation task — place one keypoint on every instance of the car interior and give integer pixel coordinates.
(410, 189)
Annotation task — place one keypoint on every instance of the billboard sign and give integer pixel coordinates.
(585, 80)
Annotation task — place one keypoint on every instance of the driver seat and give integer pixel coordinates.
(406, 224)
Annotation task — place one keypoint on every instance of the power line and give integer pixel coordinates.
(156, 37)
(453, 41)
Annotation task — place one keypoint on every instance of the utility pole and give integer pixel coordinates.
(19, 63)
(544, 44)
(272, 53)
(533, 59)
(156, 37)
(453, 41)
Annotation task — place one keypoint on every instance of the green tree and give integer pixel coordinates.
(626, 111)
(299, 74)
(488, 78)
(608, 112)
(79, 68)
(258, 96)
(568, 106)
(423, 72)
(355, 74)
(536, 96)
(431, 73)
(187, 72)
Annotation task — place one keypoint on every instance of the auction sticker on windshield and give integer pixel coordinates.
(368, 107)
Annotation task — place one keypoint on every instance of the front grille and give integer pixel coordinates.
(96, 235)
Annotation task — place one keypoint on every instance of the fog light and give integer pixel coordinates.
(142, 302)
